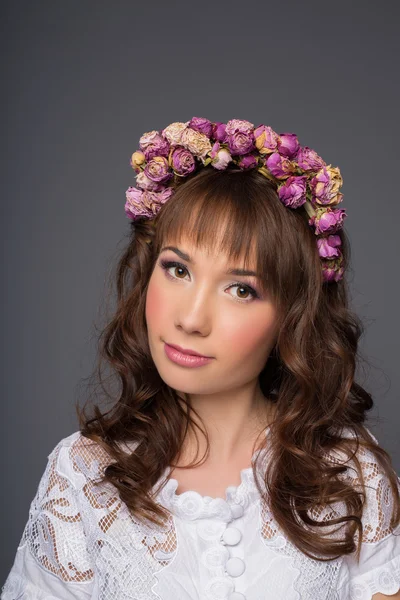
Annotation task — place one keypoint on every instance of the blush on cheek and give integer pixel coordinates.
(153, 304)
(250, 339)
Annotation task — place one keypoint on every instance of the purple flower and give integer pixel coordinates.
(266, 139)
(248, 161)
(153, 144)
(308, 159)
(328, 247)
(158, 169)
(279, 166)
(293, 192)
(328, 220)
(183, 161)
(201, 125)
(288, 144)
(147, 184)
(218, 132)
(332, 270)
(145, 203)
(240, 136)
(325, 186)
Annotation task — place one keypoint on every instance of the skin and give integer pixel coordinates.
(200, 308)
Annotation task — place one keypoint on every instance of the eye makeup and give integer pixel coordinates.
(168, 264)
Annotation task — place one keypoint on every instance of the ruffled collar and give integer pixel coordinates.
(191, 505)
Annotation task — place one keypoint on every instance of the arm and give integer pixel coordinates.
(52, 558)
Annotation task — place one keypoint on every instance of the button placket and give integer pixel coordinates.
(234, 566)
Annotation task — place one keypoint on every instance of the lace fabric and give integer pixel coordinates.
(80, 541)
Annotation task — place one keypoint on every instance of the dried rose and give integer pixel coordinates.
(308, 159)
(266, 139)
(293, 191)
(325, 186)
(220, 156)
(201, 125)
(182, 161)
(137, 159)
(158, 170)
(328, 220)
(279, 166)
(173, 132)
(196, 142)
(328, 247)
(154, 144)
(288, 144)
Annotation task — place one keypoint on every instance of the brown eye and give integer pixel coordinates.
(245, 290)
(177, 269)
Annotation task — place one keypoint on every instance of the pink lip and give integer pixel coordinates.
(187, 351)
(185, 360)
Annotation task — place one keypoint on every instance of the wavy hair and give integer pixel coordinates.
(309, 375)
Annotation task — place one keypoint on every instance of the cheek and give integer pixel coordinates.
(154, 304)
(254, 333)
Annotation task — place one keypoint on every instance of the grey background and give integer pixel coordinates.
(81, 82)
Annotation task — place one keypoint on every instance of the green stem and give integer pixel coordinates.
(267, 174)
(309, 208)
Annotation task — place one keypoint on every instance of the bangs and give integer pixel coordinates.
(235, 213)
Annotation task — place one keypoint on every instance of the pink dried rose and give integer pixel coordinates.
(327, 219)
(332, 270)
(308, 159)
(279, 166)
(293, 191)
(158, 169)
(145, 183)
(248, 161)
(220, 157)
(266, 139)
(182, 161)
(145, 203)
(325, 186)
(201, 125)
(219, 131)
(153, 144)
(240, 136)
(328, 247)
(288, 144)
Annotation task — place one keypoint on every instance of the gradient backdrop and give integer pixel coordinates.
(82, 81)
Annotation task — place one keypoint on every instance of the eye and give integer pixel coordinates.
(246, 288)
(166, 265)
(169, 264)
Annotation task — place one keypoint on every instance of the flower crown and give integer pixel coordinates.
(299, 174)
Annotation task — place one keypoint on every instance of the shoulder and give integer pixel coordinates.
(75, 460)
(377, 570)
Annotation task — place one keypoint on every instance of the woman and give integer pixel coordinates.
(232, 320)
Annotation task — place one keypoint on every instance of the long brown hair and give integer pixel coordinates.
(309, 375)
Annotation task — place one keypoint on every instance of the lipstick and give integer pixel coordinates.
(185, 360)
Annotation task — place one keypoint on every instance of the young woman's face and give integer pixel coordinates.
(196, 305)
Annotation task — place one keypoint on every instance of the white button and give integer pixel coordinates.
(235, 566)
(237, 510)
(232, 536)
(236, 596)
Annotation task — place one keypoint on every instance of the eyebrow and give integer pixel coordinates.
(186, 257)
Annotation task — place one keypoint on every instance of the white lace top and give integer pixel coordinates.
(81, 542)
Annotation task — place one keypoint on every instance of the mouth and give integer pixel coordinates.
(187, 351)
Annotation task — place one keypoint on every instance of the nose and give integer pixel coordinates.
(193, 313)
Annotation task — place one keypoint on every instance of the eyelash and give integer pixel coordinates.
(167, 264)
